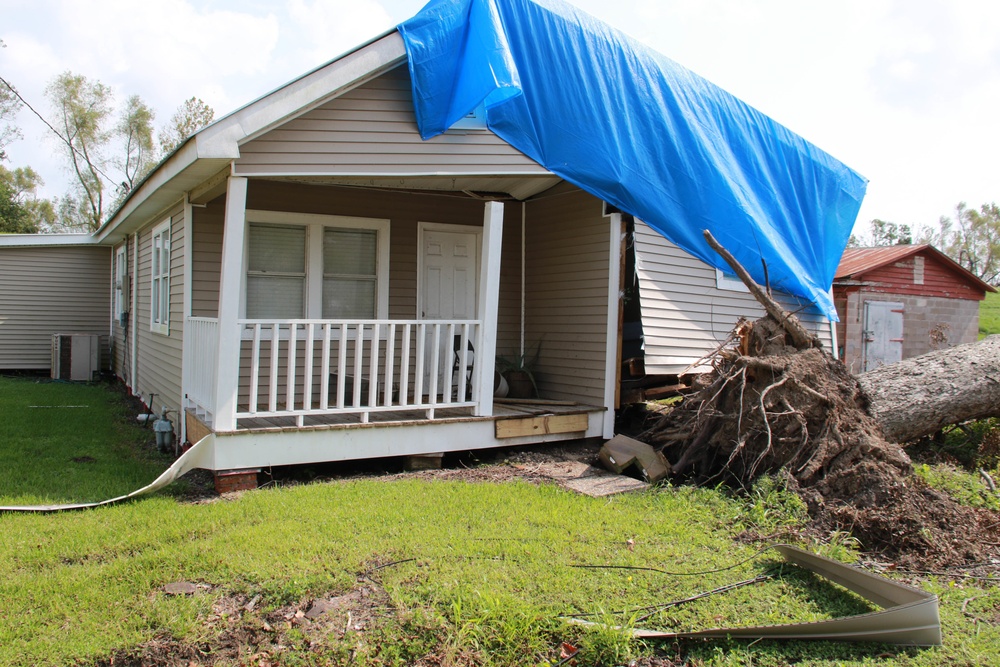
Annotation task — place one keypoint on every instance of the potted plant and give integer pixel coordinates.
(519, 372)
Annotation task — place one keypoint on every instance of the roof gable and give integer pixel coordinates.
(211, 148)
(856, 263)
(369, 134)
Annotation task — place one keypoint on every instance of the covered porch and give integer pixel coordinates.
(426, 356)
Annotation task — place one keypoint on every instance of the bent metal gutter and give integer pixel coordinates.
(909, 615)
(201, 455)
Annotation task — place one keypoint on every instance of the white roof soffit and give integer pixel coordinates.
(518, 187)
(45, 240)
(209, 150)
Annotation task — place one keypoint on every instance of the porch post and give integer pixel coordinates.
(230, 282)
(489, 302)
(613, 350)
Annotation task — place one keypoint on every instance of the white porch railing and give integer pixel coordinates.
(201, 343)
(301, 368)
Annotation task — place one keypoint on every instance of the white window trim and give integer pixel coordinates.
(121, 277)
(159, 317)
(729, 283)
(315, 225)
(475, 120)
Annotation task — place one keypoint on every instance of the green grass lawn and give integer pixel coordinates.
(989, 315)
(474, 573)
(62, 442)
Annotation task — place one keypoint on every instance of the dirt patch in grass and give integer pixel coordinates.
(240, 631)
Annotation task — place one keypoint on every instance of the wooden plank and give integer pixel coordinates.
(654, 393)
(545, 425)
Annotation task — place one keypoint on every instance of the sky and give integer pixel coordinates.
(905, 92)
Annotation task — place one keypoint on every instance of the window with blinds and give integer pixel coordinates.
(276, 272)
(310, 266)
(350, 273)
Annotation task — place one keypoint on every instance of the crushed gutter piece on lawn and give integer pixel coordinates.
(909, 616)
(622, 452)
(200, 455)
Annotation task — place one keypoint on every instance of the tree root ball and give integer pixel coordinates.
(771, 408)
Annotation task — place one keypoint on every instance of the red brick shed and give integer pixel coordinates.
(901, 301)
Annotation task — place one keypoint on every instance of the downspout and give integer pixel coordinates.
(833, 333)
(111, 315)
(133, 313)
(186, 313)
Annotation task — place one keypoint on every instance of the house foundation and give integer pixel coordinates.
(228, 481)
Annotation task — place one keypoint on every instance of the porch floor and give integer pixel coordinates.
(502, 410)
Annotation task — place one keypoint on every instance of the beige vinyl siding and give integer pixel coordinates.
(47, 290)
(206, 258)
(566, 282)
(159, 356)
(685, 316)
(509, 305)
(371, 130)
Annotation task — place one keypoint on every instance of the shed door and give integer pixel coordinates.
(882, 334)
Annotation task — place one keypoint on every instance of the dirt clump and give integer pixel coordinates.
(770, 408)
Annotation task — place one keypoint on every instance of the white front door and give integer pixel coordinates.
(883, 334)
(449, 283)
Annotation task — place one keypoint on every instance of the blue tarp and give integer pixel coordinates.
(639, 131)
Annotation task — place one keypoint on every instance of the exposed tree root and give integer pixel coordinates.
(768, 407)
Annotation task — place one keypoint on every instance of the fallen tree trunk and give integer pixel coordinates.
(918, 396)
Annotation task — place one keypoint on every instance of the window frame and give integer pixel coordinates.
(159, 279)
(729, 282)
(315, 226)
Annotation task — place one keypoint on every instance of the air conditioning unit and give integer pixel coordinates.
(76, 356)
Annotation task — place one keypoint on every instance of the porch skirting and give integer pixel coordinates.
(273, 444)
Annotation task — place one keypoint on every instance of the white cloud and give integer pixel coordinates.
(328, 29)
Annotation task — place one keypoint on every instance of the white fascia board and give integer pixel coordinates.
(175, 165)
(223, 139)
(39, 240)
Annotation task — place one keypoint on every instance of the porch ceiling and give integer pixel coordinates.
(518, 187)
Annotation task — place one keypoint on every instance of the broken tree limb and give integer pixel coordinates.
(918, 396)
(800, 336)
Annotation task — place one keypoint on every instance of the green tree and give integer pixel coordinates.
(21, 212)
(135, 129)
(9, 106)
(971, 238)
(190, 117)
(83, 108)
(882, 233)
